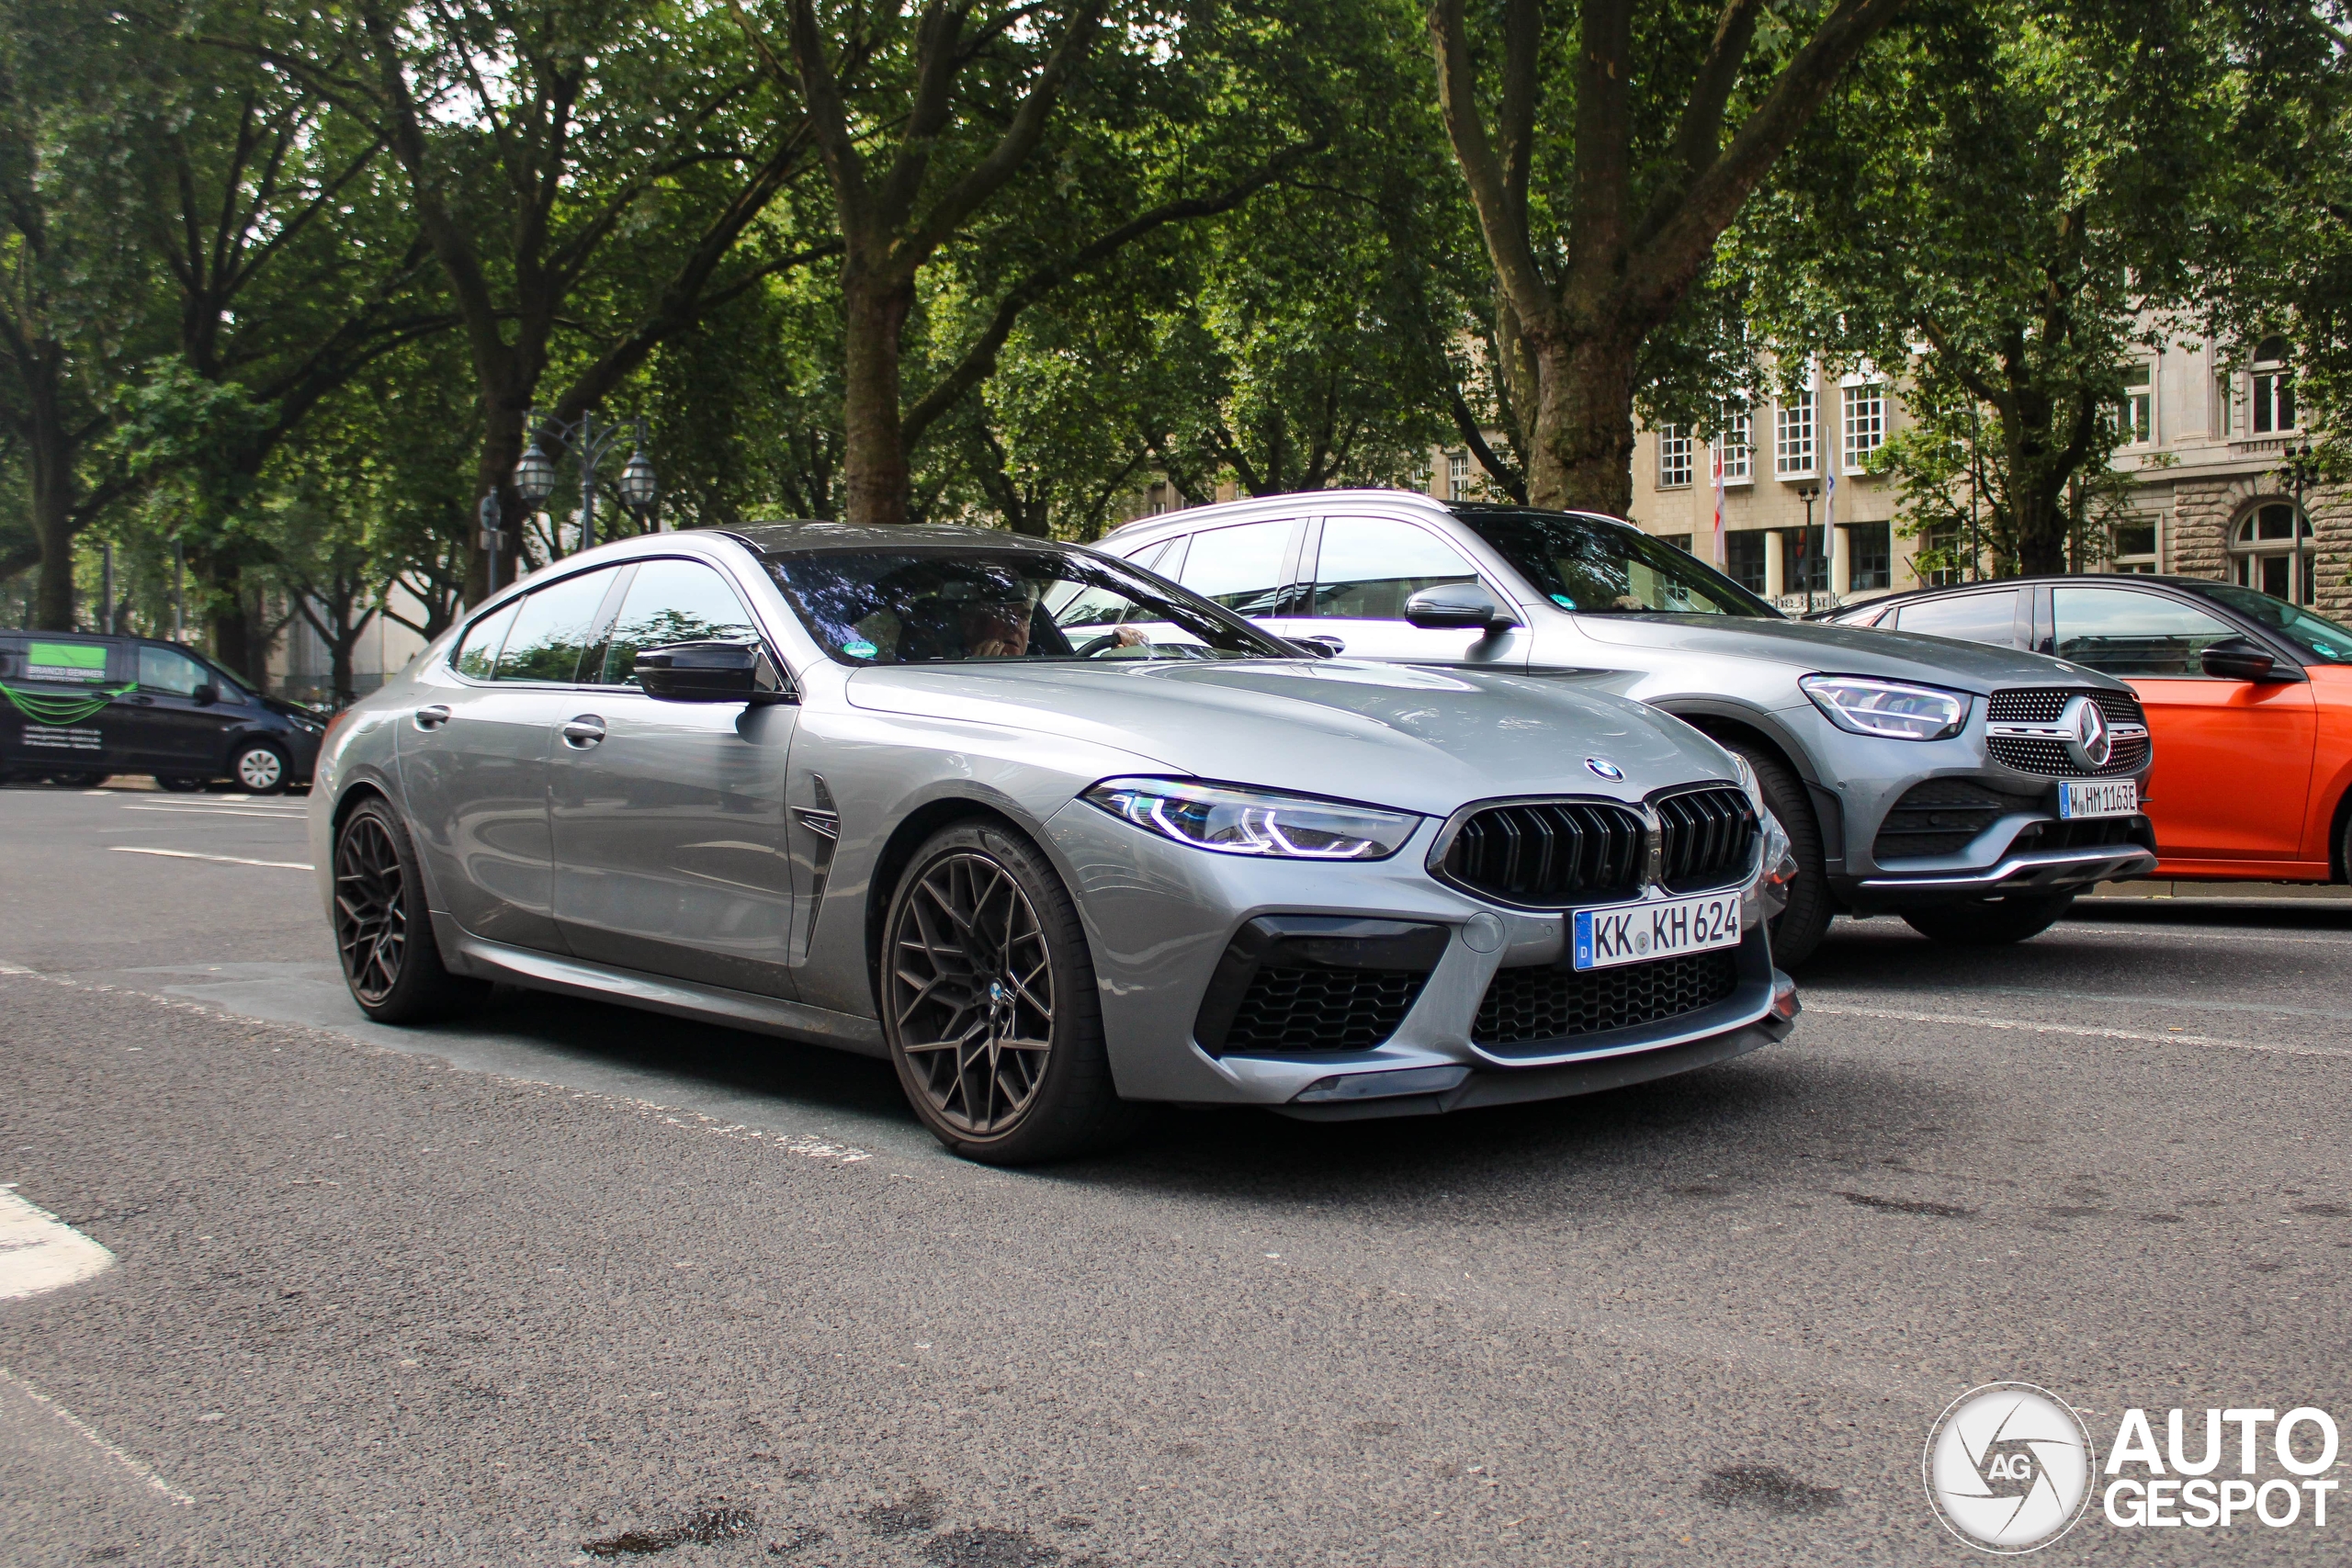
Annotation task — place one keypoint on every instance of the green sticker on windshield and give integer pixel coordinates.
(65, 662)
(860, 649)
(1564, 601)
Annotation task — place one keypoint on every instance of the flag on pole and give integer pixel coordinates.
(1722, 558)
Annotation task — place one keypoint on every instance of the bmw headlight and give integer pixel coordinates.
(1894, 709)
(1235, 821)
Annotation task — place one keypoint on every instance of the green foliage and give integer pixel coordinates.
(2004, 210)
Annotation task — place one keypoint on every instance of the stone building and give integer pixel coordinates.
(2208, 440)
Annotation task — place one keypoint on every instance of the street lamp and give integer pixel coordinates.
(592, 440)
(1809, 494)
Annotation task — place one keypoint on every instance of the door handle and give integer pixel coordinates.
(432, 717)
(583, 732)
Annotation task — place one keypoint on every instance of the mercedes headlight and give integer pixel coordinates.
(1894, 709)
(1234, 821)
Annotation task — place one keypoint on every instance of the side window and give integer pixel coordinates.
(1368, 567)
(477, 653)
(672, 601)
(2123, 632)
(1156, 557)
(1240, 567)
(1972, 617)
(173, 674)
(555, 623)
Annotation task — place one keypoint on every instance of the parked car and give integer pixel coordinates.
(1051, 834)
(1974, 791)
(76, 708)
(2249, 699)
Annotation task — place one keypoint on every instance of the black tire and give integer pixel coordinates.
(1005, 1075)
(179, 783)
(78, 780)
(260, 767)
(383, 933)
(1989, 922)
(1797, 930)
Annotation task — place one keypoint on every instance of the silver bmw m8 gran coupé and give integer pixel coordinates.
(1054, 835)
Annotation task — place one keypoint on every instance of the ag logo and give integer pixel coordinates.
(2008, 1467)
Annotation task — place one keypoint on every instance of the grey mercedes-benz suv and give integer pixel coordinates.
(1972, 790)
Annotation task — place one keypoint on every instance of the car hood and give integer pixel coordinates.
(1815, 648)
(1422, 739)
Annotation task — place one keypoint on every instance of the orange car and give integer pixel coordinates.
(2249, 701)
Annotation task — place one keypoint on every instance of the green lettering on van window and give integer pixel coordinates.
(82, 661)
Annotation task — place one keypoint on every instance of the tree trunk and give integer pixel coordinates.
(49, 455)
(877, 310)
(1580, 456)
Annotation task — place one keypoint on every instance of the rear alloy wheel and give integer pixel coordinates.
(1798, 928)
(1989, 922)
(383, 933)
(259, 768)
(989, 1006)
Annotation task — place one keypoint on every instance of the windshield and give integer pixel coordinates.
(1596, 567)
(957, 604)
(2319, 637)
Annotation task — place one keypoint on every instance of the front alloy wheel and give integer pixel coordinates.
(989, 1002)
(972, 994)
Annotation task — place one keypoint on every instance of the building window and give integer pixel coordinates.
(1679, 541)
(1793, 437)
(2132, 546)
(1458, 476)
(1942, 559)
(1744, 558)
(2271, 553)
(1673, 456)
(1861, 429)
(1736, 445)
(1870, 558)
(2274, 389)
(2136, 415)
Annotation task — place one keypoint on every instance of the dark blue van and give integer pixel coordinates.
(76, 707)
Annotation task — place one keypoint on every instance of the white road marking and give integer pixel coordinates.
(104, 1446)
(40, 1252)
(225, 860)
(2201, 935)
(265, 816)
(2032, 1027)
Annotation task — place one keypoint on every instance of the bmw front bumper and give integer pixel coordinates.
(1177, 933)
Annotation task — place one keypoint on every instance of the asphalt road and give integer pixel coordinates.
(572, 1284)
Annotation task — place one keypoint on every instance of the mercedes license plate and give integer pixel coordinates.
(2104, 797)
(1636, 934)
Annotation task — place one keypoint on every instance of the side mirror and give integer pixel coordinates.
(709, 672)
(2236, 659)
(1321, 647)
(1457, 606)
(204, 696)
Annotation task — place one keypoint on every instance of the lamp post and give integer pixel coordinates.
(592, 440)
(2301, 469)
(1809, 494)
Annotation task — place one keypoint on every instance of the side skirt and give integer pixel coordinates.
(540, 971)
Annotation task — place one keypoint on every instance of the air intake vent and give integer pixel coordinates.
(1524, 1006)
(1708, 837)
(1549, 853)
(1939, 817)
(1287, 1010)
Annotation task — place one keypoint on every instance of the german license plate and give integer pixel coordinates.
(2103, 797)
(1636, 933)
